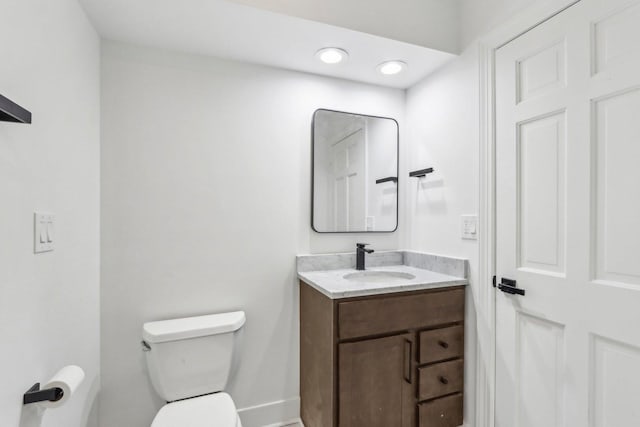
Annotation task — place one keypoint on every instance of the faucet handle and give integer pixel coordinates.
(362, 245)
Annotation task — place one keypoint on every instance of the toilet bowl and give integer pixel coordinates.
(190, 361)
(213, 410)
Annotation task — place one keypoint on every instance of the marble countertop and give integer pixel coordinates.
(333, 284)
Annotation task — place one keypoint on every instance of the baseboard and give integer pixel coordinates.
(293, 423)
(273, 414)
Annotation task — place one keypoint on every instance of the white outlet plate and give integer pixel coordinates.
(43, 232)
(371, 223)
(469, 225)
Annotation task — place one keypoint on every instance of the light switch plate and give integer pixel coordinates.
(43, 232)
(469, 227)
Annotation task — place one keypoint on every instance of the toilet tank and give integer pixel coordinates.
(191, 356)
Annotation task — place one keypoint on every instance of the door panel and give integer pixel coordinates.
(616, 139)
(542, 72)
(615, 382)
(539, 371)
(541, 207)
(375, 382)
(567, 201)
(349, 171)
(616, 37)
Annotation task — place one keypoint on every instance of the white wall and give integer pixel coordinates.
(206, 202)
(382, 163)
(442, 122)
(49, 303)
(430, 23)
(442, 118)
(478, 17)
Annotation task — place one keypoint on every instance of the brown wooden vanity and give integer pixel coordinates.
(392, 360)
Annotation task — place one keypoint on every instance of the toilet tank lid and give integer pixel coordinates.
(192, 327)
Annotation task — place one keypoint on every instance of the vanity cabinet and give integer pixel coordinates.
(392, 360)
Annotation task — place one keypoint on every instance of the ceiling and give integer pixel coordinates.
(427, 23)
(236, 31)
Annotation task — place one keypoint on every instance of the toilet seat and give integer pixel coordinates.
(212, 410)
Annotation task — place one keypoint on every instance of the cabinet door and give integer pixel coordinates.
(375, 382)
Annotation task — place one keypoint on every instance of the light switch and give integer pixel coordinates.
(470, 227)
(43, 224)
(50, 231)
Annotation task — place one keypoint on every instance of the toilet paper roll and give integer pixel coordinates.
(68, 379)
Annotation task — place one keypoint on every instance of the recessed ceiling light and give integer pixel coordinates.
(390, 68)
(332, 55)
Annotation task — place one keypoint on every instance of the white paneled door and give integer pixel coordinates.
(568, 220)
(349, 186)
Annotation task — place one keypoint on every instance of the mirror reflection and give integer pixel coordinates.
(355, 173)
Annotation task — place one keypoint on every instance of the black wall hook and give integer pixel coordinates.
(420, 173)
(34, 394)
(388, 179)
(12, 112)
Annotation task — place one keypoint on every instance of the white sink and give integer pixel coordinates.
(372, 276)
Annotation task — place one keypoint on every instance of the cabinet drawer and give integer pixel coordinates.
(441, 344)
(399, 313)
(440, 379)
(445, 412)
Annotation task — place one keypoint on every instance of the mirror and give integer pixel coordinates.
(354, 173)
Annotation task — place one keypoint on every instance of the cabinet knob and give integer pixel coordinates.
(443, 380)
(443, 344)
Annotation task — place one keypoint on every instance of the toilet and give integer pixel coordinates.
(189, 362)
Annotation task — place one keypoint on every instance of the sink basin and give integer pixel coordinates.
(390, 277)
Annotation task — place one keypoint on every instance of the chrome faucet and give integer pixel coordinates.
(360, 251)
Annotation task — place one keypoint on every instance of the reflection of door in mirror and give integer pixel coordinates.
(348, 165)
(350, 153)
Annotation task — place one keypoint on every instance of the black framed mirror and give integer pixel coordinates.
(354, 173)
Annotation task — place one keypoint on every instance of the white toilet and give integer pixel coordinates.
(189, 363)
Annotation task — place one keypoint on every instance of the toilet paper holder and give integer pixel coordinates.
(34, 394)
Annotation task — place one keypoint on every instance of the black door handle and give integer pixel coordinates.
(508, 286)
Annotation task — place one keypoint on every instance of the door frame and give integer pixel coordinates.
(530, 18)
